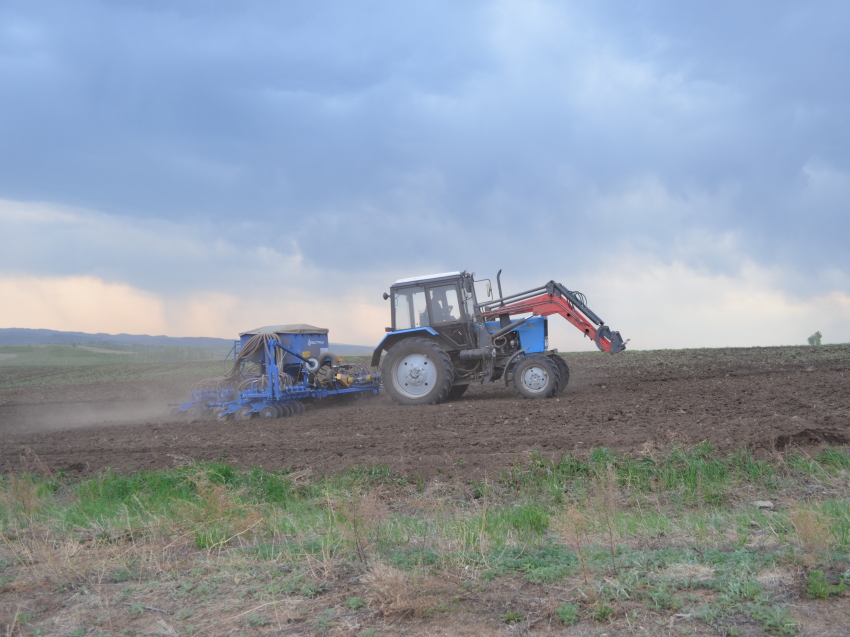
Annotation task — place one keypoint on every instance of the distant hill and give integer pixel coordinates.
(24, 336)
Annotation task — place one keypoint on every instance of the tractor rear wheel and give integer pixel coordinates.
(417, 371)
(536, 376)
(563, 371)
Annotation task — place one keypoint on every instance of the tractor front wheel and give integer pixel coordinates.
(536, 376)
(417, 371)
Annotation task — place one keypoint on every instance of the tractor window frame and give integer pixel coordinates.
(458, 303)
(413, 320)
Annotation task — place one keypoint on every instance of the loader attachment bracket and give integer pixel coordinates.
(617, 343)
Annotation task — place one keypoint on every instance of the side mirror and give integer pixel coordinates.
(386, 296)
(489, 291)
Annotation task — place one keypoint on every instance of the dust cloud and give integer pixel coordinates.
(43, 418)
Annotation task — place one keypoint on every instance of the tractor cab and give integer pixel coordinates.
(445, 303)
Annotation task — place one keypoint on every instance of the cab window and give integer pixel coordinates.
(445, 307)
(410, 308)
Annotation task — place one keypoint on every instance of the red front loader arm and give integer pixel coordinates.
(555, 299)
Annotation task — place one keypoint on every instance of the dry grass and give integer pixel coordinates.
(398, 593)
(218, 515)
(607, 496)
(391, 589)
(363, 514)
(813, 532)
(574, 528)
(683, 572)
(776, 577)
(21, 498)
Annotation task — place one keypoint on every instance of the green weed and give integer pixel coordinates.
(355, 603)
(817, 586)
(567, 613)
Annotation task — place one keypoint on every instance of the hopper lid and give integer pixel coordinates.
(294, 328)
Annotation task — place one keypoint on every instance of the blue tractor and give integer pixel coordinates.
(442, 339)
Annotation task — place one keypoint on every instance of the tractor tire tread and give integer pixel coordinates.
(563, 373)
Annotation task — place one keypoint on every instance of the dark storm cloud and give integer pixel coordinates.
(401, 136)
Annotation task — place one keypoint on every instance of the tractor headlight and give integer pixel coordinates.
(545, 342)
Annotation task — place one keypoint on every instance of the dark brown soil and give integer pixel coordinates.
(759, 398)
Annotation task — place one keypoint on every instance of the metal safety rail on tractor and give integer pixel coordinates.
(274, 369)
(442, 339)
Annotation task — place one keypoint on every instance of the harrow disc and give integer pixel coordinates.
(195, 412)
(220, 413)
(269, 412)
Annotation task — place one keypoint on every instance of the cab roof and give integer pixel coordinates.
(428, 277)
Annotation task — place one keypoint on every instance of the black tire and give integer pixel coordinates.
(563, 371)
(268, 412)
(535, 376)
(457, 391)
(417, 371)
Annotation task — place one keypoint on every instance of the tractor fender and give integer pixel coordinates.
(394, 337)
(513, 357)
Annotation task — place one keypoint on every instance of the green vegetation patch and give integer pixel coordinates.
(606, 539)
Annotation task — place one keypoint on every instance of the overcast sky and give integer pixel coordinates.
(201, 168)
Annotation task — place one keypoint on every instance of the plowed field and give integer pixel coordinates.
(86, 420)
